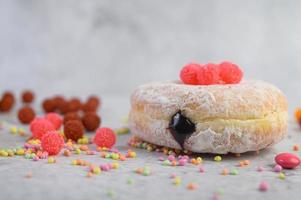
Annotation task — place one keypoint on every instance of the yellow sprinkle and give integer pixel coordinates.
(3, 153)
(77, 151)
(20, 152)
(199, 159)
(51, 160)
(115, 165)
(96, 170)
(13, 130)
(74, 162)
(281, 175)
(177, 181)
(217, 158)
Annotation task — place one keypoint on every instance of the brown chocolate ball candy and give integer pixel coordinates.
(48, 105)
(58, 101)
(91, 121)
(26, 114)
(7, 102)
(71, 116)
(74, 105)
(91, 105)
(27, 96)
(63, 107)
(74, 130)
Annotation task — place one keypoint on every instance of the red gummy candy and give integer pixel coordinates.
(39, 126)
(230, 73)
(104, 137)
(209, 74)
(55, 119)
(189, 73)
(52, 142)
(287, 160)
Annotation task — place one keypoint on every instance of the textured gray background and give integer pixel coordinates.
(109, 47)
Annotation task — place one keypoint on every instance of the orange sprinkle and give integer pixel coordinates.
(67, 153)
(296, 147)
(28, 175)
(192, 186)
(89, 175)
(83, 147)
(225, 171)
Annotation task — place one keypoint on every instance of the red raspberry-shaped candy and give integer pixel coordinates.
(52, 142)
(39, 126)
(189, 73)
(209, 74)
(104, 137)
(230, 73)
(55, 119)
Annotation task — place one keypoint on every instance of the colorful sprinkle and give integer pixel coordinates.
(263, 186)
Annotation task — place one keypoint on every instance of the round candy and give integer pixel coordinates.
(287, 160)
(39, 126)
(48, 105)
(74, 130)
(27, 96)
(189, 74)
(91, 121)
(52, 142)
(104, 137)
(230, 73)
(26, 115)
(209, 74)
(55, 119)
(71, 116)
(7, 102)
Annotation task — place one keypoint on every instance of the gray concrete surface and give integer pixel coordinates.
(107, 48)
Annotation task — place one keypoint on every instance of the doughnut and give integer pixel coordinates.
(221, 119)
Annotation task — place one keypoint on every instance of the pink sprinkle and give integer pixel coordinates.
(201, 169)
(277, 168)
(182, 162)
(36, 158)
(260, 168)
(263, 186)
(173, 175)
(105, 167)
(161, 158)
(171, 158)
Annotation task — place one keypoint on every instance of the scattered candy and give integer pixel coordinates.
(263, 186)
(281, 176)
(298, 115)
(296, 147)
(201, 169)
(177, 181)
(105, 137)
(39, 126)
(287, 160)
(192, 186)
(52, 142)
(130, 181)
(73, 130)
(51, 160)
(27, 96)
(234, 172)
(55, 119)
(217, 158)
(26, 115)
(226, 171)
(91, 121)
(277, 168)
(260, 169)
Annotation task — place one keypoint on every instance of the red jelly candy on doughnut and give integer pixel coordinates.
(209, 74)
(287, 160)
(189, 73)
(230, 73)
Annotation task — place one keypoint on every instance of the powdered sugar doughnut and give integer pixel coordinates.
(236, 118)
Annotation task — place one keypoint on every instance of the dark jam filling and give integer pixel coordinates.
(181, 128)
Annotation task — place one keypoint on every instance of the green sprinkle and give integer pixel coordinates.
(234, 172)
(130, 181)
